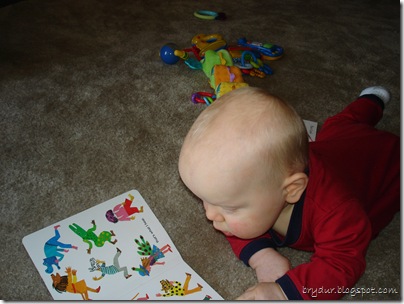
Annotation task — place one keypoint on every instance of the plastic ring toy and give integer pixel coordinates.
(203, 97)
(208, 100)
(209, 15)
(248, 53)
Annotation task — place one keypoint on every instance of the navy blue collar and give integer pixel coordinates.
(295, 226)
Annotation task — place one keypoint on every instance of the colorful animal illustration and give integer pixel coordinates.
(54, 251)
(123, 211)
(174, 288)
(69, 283)
(153, 255)
(99, 265)
(89, 236)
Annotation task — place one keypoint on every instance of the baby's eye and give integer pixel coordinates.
(229, 209)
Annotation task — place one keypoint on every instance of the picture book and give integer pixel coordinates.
(117, 250)
(311, 128)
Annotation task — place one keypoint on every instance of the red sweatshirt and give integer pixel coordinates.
(353, 192)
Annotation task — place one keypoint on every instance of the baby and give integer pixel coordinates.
(247, 157)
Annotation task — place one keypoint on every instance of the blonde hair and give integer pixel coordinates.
(269, 126)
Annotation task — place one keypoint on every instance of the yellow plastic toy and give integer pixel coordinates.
(208, 42)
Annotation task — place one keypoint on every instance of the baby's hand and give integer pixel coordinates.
(263, 291)
(269, 265)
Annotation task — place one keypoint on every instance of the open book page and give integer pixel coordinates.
(311, 128)
(117, 250)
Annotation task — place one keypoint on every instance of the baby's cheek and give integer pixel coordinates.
(247, 229)
(238, 228)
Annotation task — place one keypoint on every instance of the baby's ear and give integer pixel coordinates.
(295, 186)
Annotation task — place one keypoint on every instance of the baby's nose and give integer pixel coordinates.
(212, 213)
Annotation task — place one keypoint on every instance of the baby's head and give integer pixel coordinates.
(245, 157)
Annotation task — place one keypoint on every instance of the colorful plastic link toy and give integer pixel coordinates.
(203, 97)
(223, 65)
(268, 51)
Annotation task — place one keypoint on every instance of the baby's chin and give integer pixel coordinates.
(228, 234)
(244, 237)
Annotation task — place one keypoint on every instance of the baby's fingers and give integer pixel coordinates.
(249, 294)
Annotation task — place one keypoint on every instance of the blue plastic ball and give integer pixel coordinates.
(167, 53)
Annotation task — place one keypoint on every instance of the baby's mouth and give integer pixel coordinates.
(227, 233)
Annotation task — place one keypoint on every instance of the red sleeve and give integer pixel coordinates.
(341, 240)
(245, 249)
